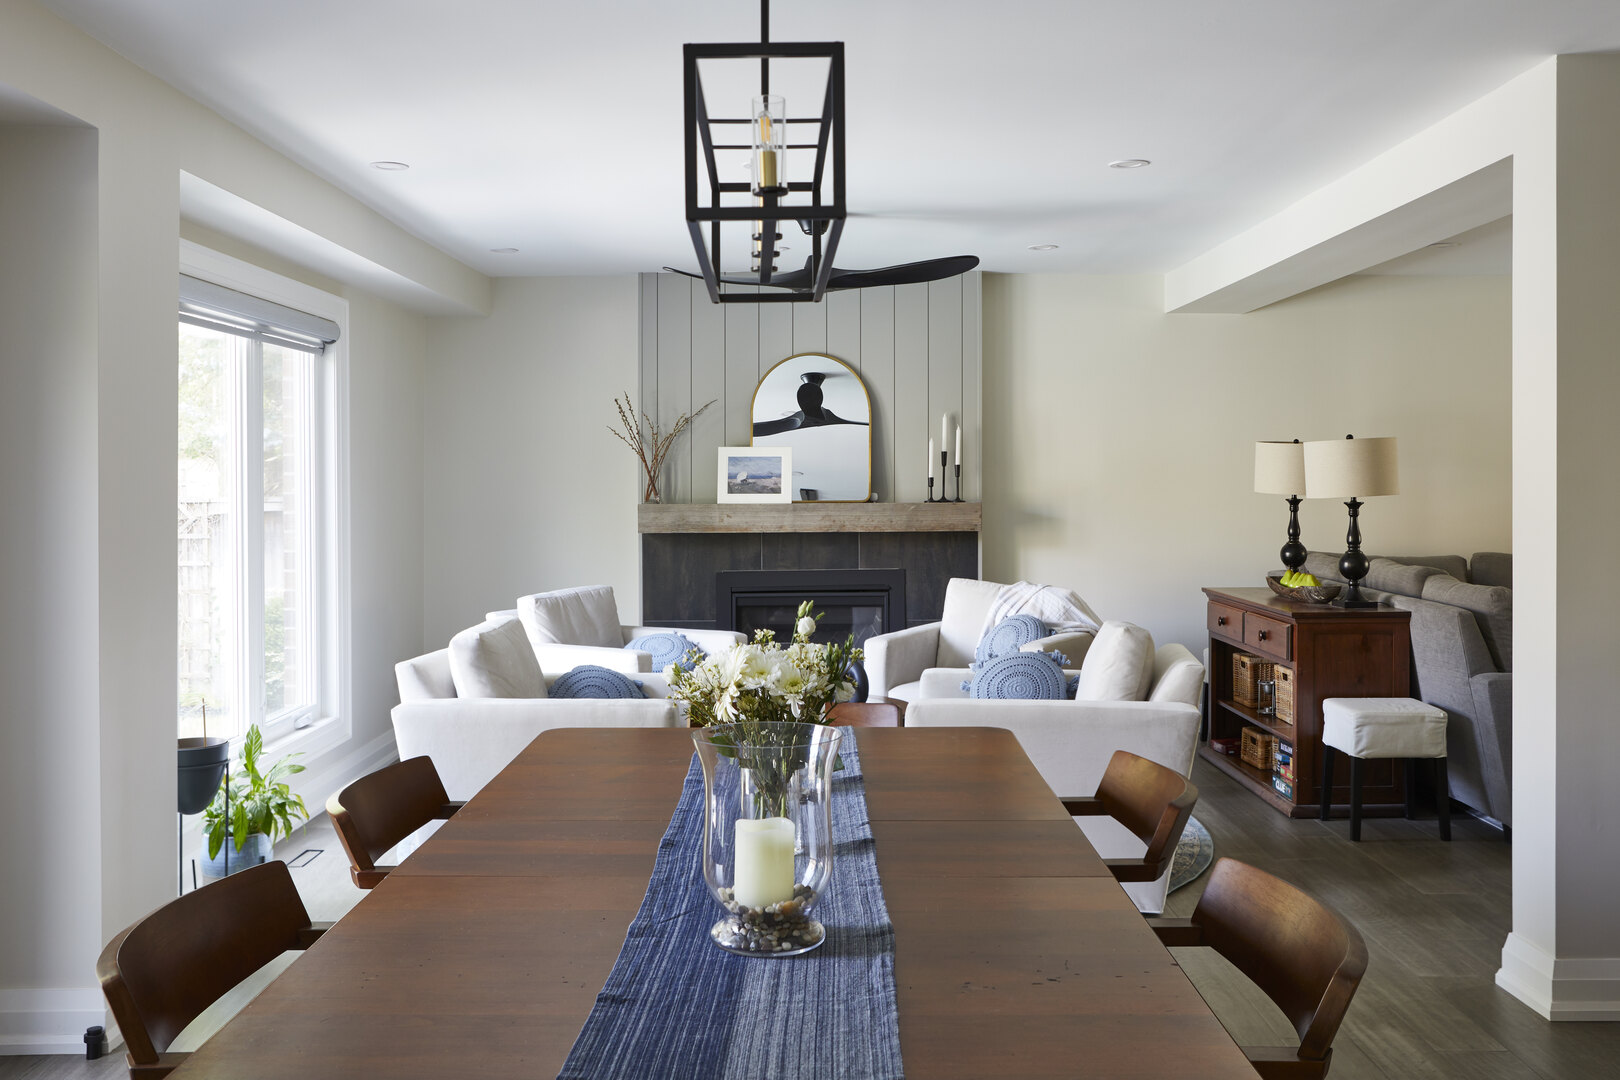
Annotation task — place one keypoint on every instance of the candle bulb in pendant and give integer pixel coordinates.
(930, 459)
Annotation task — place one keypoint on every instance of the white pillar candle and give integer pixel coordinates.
(930, 459)
(764, 868)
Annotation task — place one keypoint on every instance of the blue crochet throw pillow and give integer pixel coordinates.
(666, 648)
(1021, 676)
(591, 681)
(1008, 636)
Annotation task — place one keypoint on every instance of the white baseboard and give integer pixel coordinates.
(1572, 988)
(49, 1021)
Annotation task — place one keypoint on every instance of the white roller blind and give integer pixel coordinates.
(202, 303)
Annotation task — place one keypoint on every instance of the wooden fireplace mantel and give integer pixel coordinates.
(808, 517)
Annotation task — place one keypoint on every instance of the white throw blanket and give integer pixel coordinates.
(1060, 609)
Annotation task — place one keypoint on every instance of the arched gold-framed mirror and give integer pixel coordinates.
(818, 405)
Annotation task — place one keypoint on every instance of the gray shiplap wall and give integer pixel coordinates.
(918, 348)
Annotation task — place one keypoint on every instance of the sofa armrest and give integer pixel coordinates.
(556, 658)
(900, 657)
(1073, 645)
(472, 739)
(944, 682)
(1493, 725)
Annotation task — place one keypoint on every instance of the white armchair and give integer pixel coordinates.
(1070, 742)
(570, 627)
(895, 662)
(472, 739)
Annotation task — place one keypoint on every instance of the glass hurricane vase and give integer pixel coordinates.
(767, 832)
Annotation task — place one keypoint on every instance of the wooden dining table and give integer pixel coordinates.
(1016, 953)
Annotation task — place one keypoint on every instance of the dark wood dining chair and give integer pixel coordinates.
(379, 810)
(1306, 957)
(161, 973)
(1150, 800)
(865, 714)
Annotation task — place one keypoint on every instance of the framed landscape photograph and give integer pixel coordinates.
(755, 474)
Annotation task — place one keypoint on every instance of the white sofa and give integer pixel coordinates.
(472, 739)
(895, 662)
(570, 627)
(1070, 742)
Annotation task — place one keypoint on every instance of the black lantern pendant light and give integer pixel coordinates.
(771, 186)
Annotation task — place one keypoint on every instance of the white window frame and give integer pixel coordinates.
(328, 725)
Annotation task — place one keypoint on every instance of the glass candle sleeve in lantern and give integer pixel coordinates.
(769, 130)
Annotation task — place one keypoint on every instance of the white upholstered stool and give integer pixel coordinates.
(1384, 728)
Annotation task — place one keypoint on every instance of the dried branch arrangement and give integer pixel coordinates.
(640, 433)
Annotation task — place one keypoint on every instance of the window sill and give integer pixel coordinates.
(324, 735)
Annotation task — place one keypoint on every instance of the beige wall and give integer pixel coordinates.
(1119, 439)
(526, 488)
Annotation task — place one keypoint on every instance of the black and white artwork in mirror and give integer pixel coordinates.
(818, 405)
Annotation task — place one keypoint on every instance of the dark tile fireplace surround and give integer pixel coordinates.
(687, 552)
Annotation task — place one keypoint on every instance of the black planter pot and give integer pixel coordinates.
(203, 762)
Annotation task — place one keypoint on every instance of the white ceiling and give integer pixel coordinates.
(974, 127)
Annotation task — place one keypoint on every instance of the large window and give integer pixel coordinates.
(257, 566)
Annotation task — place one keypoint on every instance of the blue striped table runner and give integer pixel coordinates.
(676, 1007)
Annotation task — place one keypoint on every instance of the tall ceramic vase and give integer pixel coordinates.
(767, 832)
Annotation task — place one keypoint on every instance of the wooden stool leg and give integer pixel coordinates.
(1442, 797)
(1327, 781)
(1355, 798)
(1409, 767)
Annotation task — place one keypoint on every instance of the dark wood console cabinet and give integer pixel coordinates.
(1334, 653)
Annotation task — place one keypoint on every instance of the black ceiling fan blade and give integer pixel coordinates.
(904, 274)
(793, 279)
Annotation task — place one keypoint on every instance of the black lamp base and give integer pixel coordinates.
(1353, 564)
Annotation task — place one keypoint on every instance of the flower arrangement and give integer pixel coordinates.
(756, 695)
(763, 681)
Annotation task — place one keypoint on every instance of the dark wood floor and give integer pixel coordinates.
(1434, 916)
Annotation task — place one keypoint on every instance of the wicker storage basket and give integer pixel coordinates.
(1247, 673)
(1283, 696)
(1259, 748)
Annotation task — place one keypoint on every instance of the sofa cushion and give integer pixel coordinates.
(593, 681)
(1455, 565)
(1492, 606)
(495, 660)
(583, 616)
(1008, 636)
(1118, 666)
(666, 647)
(1020, 676)
(967, 602)
(1403, 579)
(1491, 568)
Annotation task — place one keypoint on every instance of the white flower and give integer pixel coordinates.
(804, 627)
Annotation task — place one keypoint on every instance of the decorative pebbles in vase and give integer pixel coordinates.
(767, 832)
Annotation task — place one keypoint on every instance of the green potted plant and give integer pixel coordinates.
(262, 806)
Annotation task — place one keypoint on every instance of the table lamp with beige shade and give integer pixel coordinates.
(1350, 468)
(1279, 469)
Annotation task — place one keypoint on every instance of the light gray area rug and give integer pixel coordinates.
(1193, 855)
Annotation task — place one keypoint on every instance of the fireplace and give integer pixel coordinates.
(862, 602)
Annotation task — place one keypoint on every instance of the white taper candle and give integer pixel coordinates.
(944, 431)
(930, 459)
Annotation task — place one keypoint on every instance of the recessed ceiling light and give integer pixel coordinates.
(1043, 247)
(1129, 163)
(503, 251)
(390, 166)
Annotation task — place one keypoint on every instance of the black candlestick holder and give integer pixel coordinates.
(958, 468)
(931, 491)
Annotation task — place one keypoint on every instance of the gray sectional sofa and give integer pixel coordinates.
(1462, 653)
